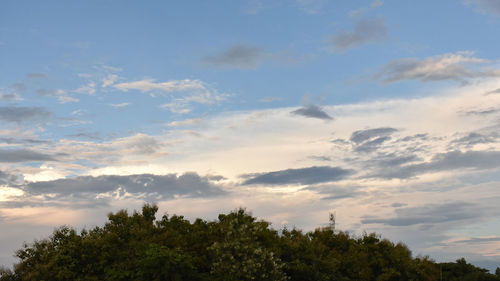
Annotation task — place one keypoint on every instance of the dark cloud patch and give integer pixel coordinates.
(476, 138)
(365, 31)
(238, 56)
(24, 141)
(370, 134)
(23, 155)
(415, 137)
(22, 114)
(474, 160)
(428, 214)
(320, 158)
(369, 140)
(164, 186)
(312, 111)
(371, 145)
(311, 175)
(483, 112)
(8, 179)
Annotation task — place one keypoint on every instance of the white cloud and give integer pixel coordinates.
(148, 85)
(109, 80)
(120, 105)
(87, 89)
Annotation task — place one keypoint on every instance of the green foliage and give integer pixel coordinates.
(235, 247)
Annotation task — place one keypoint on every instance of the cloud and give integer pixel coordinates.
(497, 91)
(120, 105)
(365, 31)
(8, 179)
(371, 134)
(479, 240)
(238, 56)
(23, 155)
(476, 138)
(428, 214)
(311, 175)
(336, 192)
(60, 94)
(312, 111)
(469, 160)
(450, 66)
(25, 141)
(89, 88)
(109, 80)
(148, 85)
(10, 97)
(165, 186)
(487, 6)
(22, 114)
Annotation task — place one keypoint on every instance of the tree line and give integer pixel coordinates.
(236, 247)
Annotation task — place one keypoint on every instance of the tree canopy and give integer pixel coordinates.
(237, 246)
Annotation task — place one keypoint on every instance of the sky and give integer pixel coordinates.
(384, 112)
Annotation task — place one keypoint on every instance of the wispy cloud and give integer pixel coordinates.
(238, 56)
(120, 105)
(148, 85)
(365, 31)
(451, 66)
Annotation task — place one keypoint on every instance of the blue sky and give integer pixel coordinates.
(386, 112)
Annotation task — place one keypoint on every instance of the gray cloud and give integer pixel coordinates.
(479, 240)
(10, 97)
(10, 140)
(8, 179)
(457, 66)
(165, 186)
(238, 56)
(21, 114)
(428, 214)
(370, 139)
(483, 112)
(488, 6)
(476, 160)
(497, 91)
(312, 111)
(415, 137)
(311, 175)
(370, 134)
(336, 192)
(365, 31)
(23, 155)
(476, 138)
